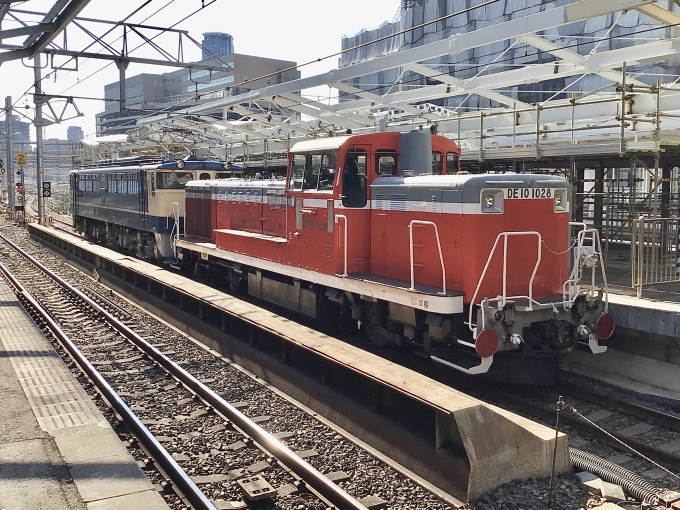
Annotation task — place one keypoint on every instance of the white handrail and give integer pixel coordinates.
(176, 234)
(337, 217)
(504, 297)
(439, 246)
(577, 273)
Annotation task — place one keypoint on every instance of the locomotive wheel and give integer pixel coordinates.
(235, 282)
(376, 318)
(375, 336)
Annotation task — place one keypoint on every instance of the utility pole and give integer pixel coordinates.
(9, 139)
(37, 74)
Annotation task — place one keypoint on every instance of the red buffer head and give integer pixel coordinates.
(605, 326)
(487, 343)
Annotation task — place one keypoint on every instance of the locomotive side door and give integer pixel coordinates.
(74, 197)
(143, 197)
(310, 210)
(355, 206)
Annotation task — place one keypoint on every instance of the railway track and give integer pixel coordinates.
(189, 419)
(57, 220)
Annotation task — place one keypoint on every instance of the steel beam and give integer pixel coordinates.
(512, 29)
(18, 53)
(34, 29)
(39, 43)
(460, 84)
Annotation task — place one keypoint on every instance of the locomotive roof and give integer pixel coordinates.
(168, 165)
(327, 143)
(229, 183)
(113, 169)
(459, 180)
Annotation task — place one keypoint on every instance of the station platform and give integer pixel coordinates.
(644, 356)
(57, 451)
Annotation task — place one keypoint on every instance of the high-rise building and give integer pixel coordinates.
(74, 133)
(416, 27)
(21, 130)
(217, 44)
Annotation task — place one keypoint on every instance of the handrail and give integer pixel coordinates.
(655, 251)
(504, 297)
(572, 286)
(439, 246)
(337, 217)
(176, 234)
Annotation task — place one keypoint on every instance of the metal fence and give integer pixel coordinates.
(655, 251)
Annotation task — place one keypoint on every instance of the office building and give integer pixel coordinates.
(217, 44)
(74, 133)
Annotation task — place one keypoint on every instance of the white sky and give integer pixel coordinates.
(299, 30)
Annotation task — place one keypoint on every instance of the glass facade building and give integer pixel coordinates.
(217, 44)
(74, 133)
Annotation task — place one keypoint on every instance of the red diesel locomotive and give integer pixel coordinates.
(384, 229)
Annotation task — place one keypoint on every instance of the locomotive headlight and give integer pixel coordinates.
(560, 200)
(491, 201)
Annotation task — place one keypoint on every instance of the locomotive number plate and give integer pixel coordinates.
(529, 192)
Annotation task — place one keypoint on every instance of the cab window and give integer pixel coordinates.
(386, 162)
(297, 171)
(204, 176)
(451, 163)
(313, 171)
(172, 180)
(354, 180)
(436, 163)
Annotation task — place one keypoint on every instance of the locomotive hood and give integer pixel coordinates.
(463, 187)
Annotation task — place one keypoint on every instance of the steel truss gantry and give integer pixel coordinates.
(42, 38)
(632, 113)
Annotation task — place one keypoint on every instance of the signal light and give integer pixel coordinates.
(19, 186)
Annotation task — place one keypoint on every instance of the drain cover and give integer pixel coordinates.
(256, 487)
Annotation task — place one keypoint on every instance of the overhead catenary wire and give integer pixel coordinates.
(412, 80)
(415, 79)
(147, 2)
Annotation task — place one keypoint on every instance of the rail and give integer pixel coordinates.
(135, 425)
(504, 297)
(344, 244)
(439, 247)
(655, 252)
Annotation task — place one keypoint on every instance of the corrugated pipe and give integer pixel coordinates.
(613, 473)
(670, 403)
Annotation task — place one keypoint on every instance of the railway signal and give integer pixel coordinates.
(19, 186)
(47, 189)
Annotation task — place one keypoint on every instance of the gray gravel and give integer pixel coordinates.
(533, 495)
